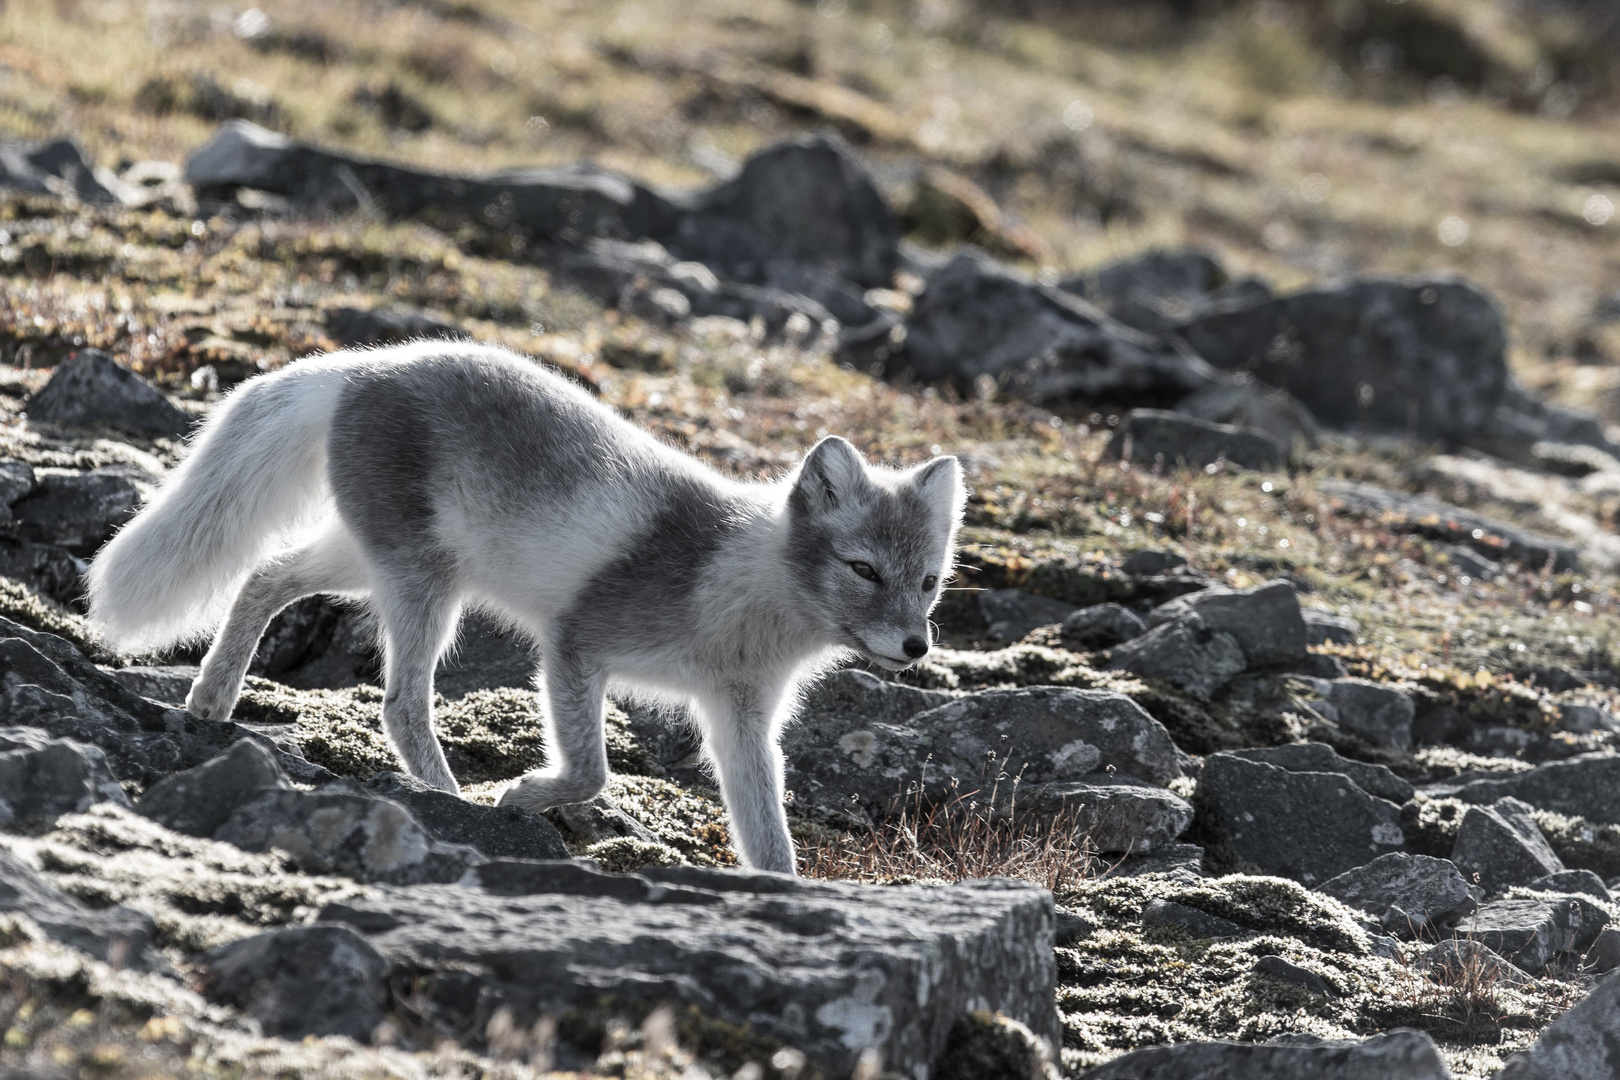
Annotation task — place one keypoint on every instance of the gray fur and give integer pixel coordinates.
(459, 476)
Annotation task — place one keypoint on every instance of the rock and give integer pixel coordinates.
(1151, 437)
(339, 830)
(841, 757)
(1376, 780)
(1326, 628)
(1188, 653)
(1531, 933)
(1585, 719)
(978, 318)
(1377, 714)
(1442, 521)
(1012, 613)
(1583, 1042)
(1468, 563)
(1308, 826)
(43, 778)
(1457, 959)
(496, 832)
(1102, 625)
(200, 800)
(1183, 861)
(1573, 881)
(76, 510)
(1424, 357)
(828, 968)
(352, 327)
(567, 203)
(57, 167)
(1243, 402)
(1604, 955)
(1399, 1055)
(1159, 275)
(48, 684)
(1117, 816)
(1580, 786)
(1150, 561)
(1500, 846)
(303, 980)
(16, 480)
(586, 823)
(1265, 620)
(1199, 924)
(115, 934)
(806, 199)
(1275, 967)
(1407, 894)
(47, 568)
(166, 684)
(92, 387)
(984, 1044)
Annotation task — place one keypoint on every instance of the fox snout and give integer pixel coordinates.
(915, 647)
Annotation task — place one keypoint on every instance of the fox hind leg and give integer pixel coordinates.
(576, 743)
(419, 620)
(330, 563)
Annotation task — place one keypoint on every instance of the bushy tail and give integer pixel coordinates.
(254, 477)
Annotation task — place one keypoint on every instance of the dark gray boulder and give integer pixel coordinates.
(114, 934)
(42, 777)
(1147, 562)
(844, 760)
(16, 480)
(352, 327)
(200, 800)
(1582, 786)
(53, 167)
(165, 684)
(1378, 714)
(1116, 816)
(1184, 861)
(1009, 614)
(1500, 846)
(1377, 780)
(1275, 967)
(1407, 894)
(979, 318)
(584, 823)
(1188, 653)
(808, 200)
(496, 832)
(1326, 628)
(1264, 620)
(1573, 881)
(569, 203)
(1399, 1055)
(1533, 932)
(341, 830)
(92, 387)
(47, 568)
(1151, 437)
(1102, 625)
(1583, 1042)
(1438, 520)
(78, 511)
(1244, 402)
(1200, 924)
(1308, 826)
(831, 969)
(1421, 356)
(302, 980)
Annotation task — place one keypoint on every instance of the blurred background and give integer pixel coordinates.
(1296, 141)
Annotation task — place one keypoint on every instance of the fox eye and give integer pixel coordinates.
(929, 582)
(864, 570)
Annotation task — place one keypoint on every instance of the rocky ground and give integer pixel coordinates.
(1278, 682)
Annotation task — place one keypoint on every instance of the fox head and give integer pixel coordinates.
(872, 547)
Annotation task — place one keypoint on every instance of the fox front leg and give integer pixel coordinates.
(743, 736)
(576, 743)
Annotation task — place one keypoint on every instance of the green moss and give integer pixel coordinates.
(626, 854)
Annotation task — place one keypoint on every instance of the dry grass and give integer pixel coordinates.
(978, 834)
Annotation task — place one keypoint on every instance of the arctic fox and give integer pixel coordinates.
(433, 477)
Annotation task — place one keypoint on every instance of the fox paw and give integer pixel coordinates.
(211, 702)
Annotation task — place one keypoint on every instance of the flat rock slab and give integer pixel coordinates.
(1265, 620)
(857, 742)
(1583, 1042)
(1444, 521)
(1406, 893)
(1400, 1055)
(1377, 780)
(1581, 786)
(1115, 816)
(1148, 436)
(830, 969)
(1533, 931)
(92, 387)
(1309, 826)
(111, 934)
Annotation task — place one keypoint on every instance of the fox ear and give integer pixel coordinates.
(939, 484)
(833, 475)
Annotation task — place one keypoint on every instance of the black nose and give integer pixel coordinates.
(915, 647)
